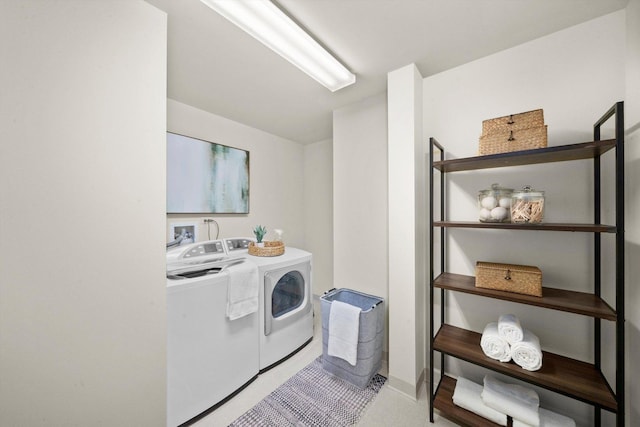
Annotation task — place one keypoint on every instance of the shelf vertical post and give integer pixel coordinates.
(442, 256)
(618, 111)
(597, 265)
(434, 144)
(431, 277)
(620, 266)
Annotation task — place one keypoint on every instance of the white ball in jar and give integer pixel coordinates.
(489, 202)
(499, 213)
(505, 202)
(485, 214)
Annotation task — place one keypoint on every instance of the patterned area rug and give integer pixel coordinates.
(313, 398)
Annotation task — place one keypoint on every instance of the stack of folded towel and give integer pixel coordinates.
(497, 400)
(519, 402)
(549, 419)
(507, 340)
(468, 395)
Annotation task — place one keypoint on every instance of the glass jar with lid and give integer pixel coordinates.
(494, 205)
(527, 206)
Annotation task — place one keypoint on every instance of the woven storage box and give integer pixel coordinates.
(269, 249)
(516, 132)
(530, 119)
(521, 279)
(513, 140)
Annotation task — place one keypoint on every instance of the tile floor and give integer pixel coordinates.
(389, 408)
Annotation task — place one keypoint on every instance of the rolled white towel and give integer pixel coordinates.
(527, 353)
(493, 345)
(519, 402)
(510, 329)
(467, 395)
(549, 419)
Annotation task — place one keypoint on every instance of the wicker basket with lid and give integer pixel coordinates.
(515, 132)
(521, 279)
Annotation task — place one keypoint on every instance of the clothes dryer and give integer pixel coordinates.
(286, 300)
(209, 356)
(286, 304)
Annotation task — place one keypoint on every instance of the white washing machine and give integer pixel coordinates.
(209, 357)
(286, 301)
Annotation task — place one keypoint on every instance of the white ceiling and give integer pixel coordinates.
(216, 67)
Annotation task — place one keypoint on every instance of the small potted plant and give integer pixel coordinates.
(259, 231)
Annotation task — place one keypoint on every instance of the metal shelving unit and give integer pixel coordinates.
(579, 380)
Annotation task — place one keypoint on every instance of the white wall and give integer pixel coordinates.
(575, 75)
(318, 208)
(276, 174)
(632, 215)
(360, 197)
(82, 173)
(407, 216)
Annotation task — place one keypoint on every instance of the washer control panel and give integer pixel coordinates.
(238, 244)
(200, 252)
(205, 249)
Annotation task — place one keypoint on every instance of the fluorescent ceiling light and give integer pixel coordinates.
(267, 23)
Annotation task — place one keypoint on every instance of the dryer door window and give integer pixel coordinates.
(288, 294)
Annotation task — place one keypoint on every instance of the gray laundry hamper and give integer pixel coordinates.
(370, 336)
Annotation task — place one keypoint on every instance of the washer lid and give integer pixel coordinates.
(179, 272)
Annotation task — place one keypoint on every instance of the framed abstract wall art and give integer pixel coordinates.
(205, 177)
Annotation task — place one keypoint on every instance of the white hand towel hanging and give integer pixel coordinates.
(344, 327)
(242, 290)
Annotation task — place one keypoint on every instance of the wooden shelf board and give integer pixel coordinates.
(590, 228)
(564, 375)
(556, 299)
(563, 153)
(443, 402)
